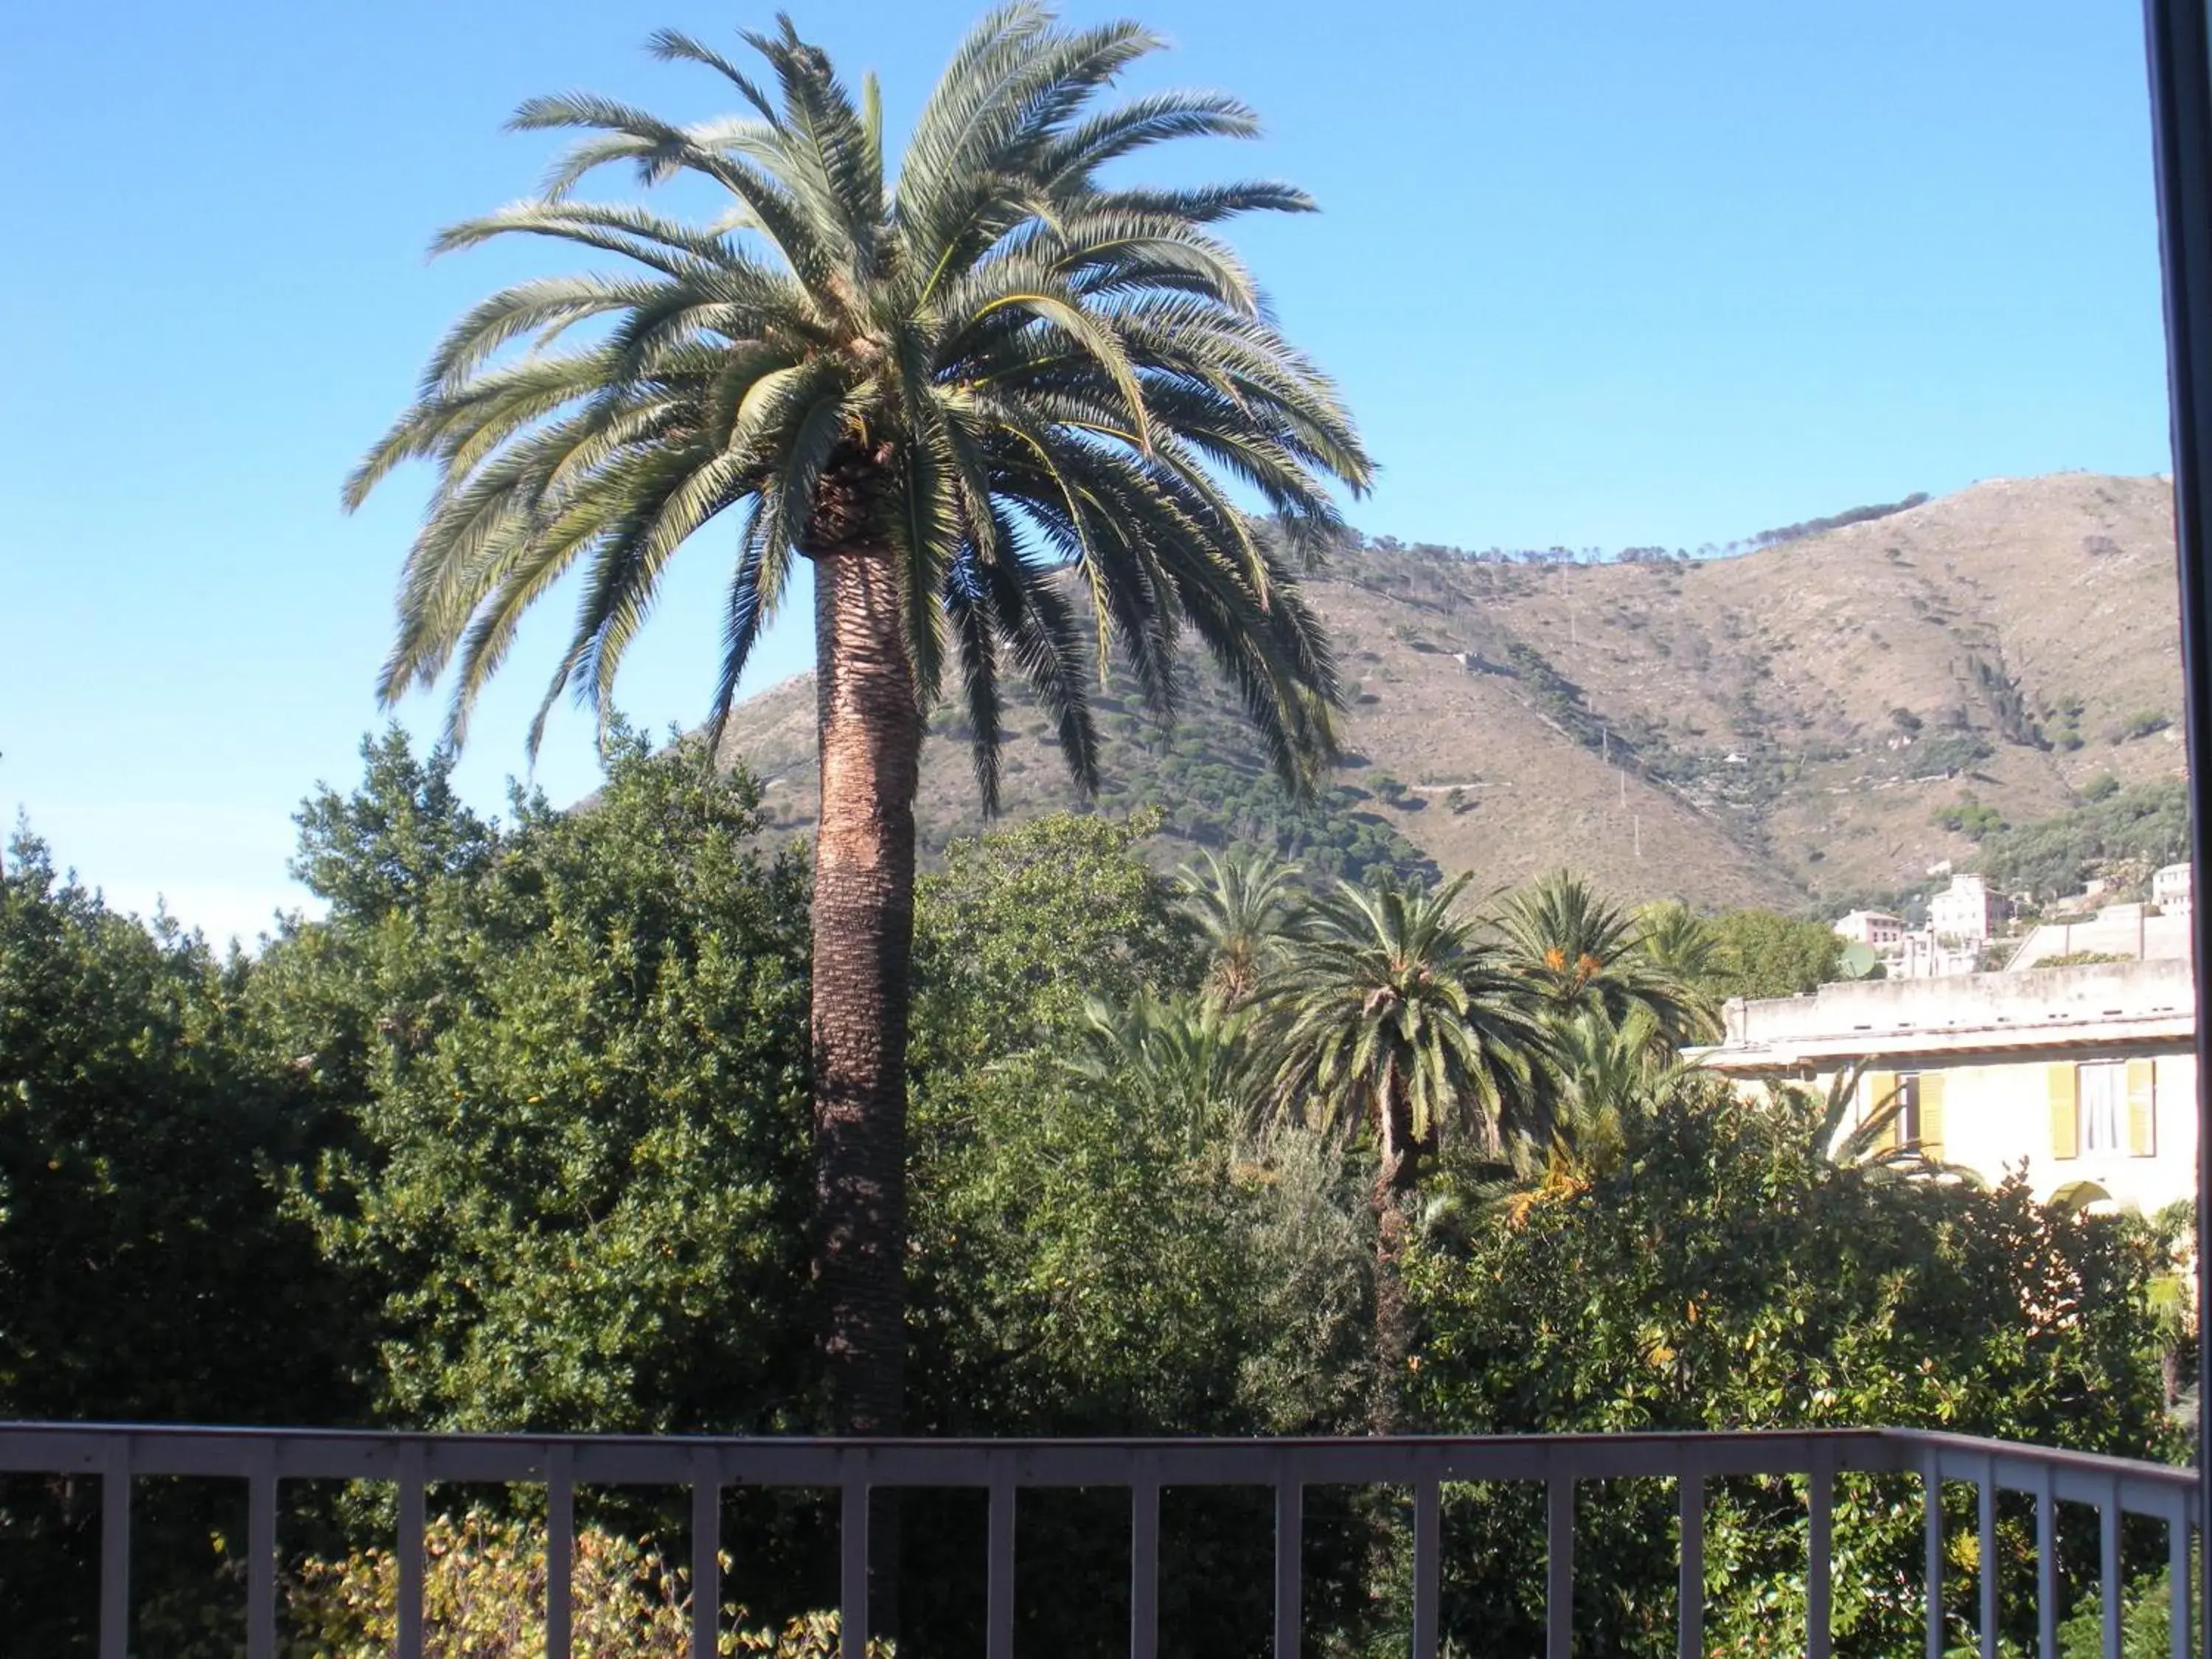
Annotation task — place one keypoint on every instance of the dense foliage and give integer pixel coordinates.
(485, 1582)
(514, 1135)
(1761, 953)
(571, 1053)
(1724, 1273)
(2121, 835)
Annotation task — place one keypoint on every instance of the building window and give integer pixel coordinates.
(1906, 1130)
(2102, 1088)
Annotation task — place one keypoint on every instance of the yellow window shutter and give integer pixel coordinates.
(2142, 1109)
(1879, 1086)
(2065, 1112)
(1931, 1114)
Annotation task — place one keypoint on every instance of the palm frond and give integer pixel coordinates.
(1044, 386)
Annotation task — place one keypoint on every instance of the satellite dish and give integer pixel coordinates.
(1858, 960)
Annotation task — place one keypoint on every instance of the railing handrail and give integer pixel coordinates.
(119, 1453)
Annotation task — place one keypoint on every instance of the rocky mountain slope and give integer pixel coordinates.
(1788, 727)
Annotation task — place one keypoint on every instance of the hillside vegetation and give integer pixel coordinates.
(1785, 728)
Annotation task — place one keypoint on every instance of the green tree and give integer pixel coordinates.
(1678, 940)
(1097, 1250)
(1608, 1076)
(1183, 1059)
(1722, 1274)
(148, 1270)
(937, 388)
(135, 1124)
(572, 1053)
(1388, 1018)
(1762, 954)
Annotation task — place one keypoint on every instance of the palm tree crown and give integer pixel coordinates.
(1586, 956)
(992, 366)
(1392, 1017)
(1246, 906)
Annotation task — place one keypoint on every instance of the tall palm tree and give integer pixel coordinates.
(1586, 956)
(1246, 906)
(1388, 1018)
(981, 398)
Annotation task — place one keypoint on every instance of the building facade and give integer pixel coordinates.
(1876, 929)
(2084, 1078)
(1966, 911)
(2170, 888)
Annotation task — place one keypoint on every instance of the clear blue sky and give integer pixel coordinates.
(1597, 274)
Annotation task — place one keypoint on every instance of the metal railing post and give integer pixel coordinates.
(1820, 1562)
(1428, 1565)
(853, 1557)
(560, 1549)
(410, 1551)
(412, 1501)
(261, 1555)
(999, 1614)
(1690, 1574)
(1985, 1515)
(1932, 1565)
(1559, 1566)
(115, 1552)
(2108, 1570)
(2046, 1566)
(2177, 1583)
(706, 1552)
(1144, 1566)
(1290, 1548)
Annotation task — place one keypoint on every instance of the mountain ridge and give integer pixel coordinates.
(1783, 727)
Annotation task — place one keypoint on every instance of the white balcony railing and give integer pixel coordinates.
(261, 1458)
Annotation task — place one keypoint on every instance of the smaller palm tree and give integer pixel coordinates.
(1183, 1061)
(1586, 955)
(1245, 908)
(1388, 1018)
(1680, 945)
(1870, 1146)
(1608, 1078)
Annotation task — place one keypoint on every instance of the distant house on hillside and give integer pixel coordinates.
(1959, 924)
(1877, 929)
(1966, 911)
(2087, 1076)
(2170, 888)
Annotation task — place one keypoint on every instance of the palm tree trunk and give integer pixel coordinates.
(1395, 1181)
(864, 856)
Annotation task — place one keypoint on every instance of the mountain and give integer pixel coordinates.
(1811, 724)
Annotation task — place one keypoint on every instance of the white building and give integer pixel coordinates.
(1926, 954)
(1966, 911)
(2085, 1077)
(1877, 929)
(2170, 890)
